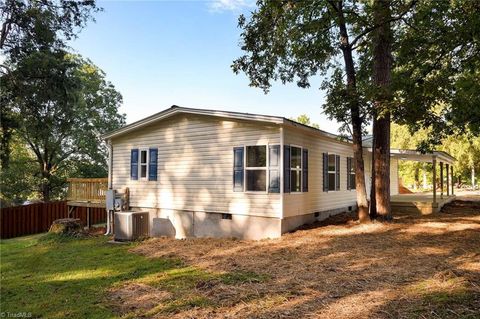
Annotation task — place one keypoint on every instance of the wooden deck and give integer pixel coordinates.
(86, 192)
(419, 203)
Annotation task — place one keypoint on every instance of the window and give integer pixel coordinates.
(226, 216)
(351, 173)
(295, 169)
(256, 168)
(332, 171)
(143, 163)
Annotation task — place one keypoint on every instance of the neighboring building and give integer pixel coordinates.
(225, 174)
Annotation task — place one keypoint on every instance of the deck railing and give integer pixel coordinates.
(87, 189)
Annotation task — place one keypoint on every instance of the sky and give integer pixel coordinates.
(164, 53)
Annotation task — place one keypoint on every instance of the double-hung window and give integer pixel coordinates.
(256, 168)
(332, 171)
(351, 173)
(295, 169)
(143, 167)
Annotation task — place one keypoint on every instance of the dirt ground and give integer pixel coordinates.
(415, 267)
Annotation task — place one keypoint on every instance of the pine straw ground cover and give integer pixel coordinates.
(415, 267)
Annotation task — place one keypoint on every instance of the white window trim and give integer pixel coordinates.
(334, 172)
(296, 169)
(267, 168)
(147, 158)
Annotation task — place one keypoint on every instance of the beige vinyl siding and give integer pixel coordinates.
(195, 162)
(316, 200)
(393, 173)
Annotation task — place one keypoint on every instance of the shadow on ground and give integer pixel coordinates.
(417, 266)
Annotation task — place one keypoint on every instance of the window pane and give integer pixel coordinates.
(143, 171)
(257, 156)
(352, 181)
(274, 155)
(296, 181)
(274, 179)
(296, 159)
(256, 180)
(331, 162)
(143, 157)
(331, 181)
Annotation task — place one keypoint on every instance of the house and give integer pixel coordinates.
(207, 173)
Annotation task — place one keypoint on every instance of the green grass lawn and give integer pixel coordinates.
(55, 277)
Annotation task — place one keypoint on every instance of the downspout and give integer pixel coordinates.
(109, 229)
(282, 171)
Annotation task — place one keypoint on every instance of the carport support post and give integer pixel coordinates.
(448, 179)
(434, 179)
(451, 168)
(441, 179)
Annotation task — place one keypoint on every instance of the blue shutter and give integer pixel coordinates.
(152, 164)
(274, 168)
(238, 169)
(337, 172)
(305, 170)
(286, 168)
(134, 164)
(325, 172)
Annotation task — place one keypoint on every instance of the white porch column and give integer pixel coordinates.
(434, 179)
(448, 180)
(453, 186)
(441, 179)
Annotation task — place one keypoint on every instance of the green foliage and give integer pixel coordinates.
(464, 147)
(437, 63)
(30, 26)
(304, 119)
(57, 103)
(18, 181)
(63, 104)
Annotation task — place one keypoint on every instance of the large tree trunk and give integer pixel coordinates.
(362, 201)
(382, 64)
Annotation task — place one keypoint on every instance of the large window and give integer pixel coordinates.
(296, 169)
(256, 168)
(143, 163)
(332, 171)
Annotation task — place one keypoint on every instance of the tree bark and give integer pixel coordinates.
(356, 120)
(382, 64)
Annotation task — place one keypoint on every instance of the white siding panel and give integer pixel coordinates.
(316, 199)
(195, 161)
(393, 173)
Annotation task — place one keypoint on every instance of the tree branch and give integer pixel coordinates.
(376, 26)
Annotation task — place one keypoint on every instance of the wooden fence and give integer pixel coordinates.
(37, 218)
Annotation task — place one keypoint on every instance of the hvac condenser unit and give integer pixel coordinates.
(130, 225)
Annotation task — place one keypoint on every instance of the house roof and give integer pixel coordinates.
(225, 114)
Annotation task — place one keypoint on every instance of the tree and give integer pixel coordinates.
(304, 119)
(29, 26)
(288, 41)
(436, 75)
(63, 104)
(382, 68)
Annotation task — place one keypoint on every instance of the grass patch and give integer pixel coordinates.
(59, 276)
